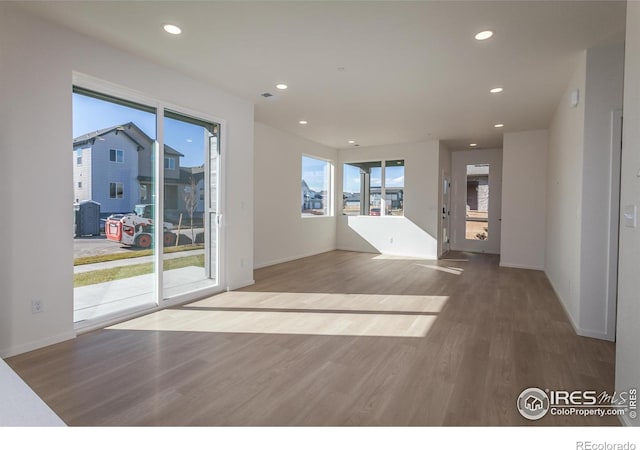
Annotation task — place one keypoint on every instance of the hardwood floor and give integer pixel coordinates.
(339, 339)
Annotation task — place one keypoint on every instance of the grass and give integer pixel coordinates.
(132, 254)
(118, 273)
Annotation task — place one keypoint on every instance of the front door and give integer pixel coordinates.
(477, 183)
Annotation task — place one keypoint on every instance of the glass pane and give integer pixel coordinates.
(375, 188)
(477, 217)
(394, 187)
(190, 228)
(362, 188)
(316, 179)
(351, 189)
(113, 167)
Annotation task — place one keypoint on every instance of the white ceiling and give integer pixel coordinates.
(412, 70)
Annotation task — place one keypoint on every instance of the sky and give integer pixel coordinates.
(90, 114)
(394, 177)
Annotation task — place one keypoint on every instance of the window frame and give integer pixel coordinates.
(383, 187)
(116, 183)
(171, 162)
(329, 199)
(117, 151)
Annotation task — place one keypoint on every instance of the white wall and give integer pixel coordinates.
(280, 233)
(564, 199)
(628, 331)
(603, 95)
(581, 193)
(37, 69)
(459, 162)
(415, 234)
(524, 178)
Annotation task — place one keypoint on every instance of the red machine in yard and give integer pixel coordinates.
(136, 229)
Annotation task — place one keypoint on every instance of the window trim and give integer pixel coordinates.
(171, 161)
(116, 190)
(383, 182)
(330, 189)
(118, 151)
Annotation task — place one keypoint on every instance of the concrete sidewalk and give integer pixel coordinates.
(132, 261)
(104, 300)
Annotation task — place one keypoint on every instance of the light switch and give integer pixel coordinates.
(630, 216)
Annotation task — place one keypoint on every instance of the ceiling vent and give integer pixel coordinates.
(267, 95)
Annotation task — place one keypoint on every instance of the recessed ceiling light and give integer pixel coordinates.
(483, 35)
(473, 145)
(171, 29)
(351, 142)
(303, 122)
(499, 125)
(496, 90)
(282, 86)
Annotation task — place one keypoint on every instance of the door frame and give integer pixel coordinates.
(114, 90)
(459, 161)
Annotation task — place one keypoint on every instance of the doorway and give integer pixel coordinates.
(476, 200)
(146, 199)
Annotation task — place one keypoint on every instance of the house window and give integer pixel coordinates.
(317, 177)
(394, 187)
(373, 188)
(143, 192)
(116, 190)
(169, 163)
(79, 184)
(79, 160)
(116, 155)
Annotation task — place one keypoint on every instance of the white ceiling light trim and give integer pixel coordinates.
(484, 35)
(172, 29)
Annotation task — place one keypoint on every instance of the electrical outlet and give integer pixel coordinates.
(37, 306)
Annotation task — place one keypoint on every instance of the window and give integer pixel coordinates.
(316, 187)
(79, 160)
(373, 188)
(143, 192)
(477, 216)
(116, 155)
(116, 190)
(169, 163)
(394, 187)
(79, 184)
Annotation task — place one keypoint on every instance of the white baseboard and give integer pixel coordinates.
(520, 266)
(576, 328)
(234, 286)
(34, 345)
(357, 250)
(273, 262)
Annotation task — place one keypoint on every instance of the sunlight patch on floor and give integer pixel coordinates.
(298, 313)
(451, 270)
(326, 301)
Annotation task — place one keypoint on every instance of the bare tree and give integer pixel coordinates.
(191, 202)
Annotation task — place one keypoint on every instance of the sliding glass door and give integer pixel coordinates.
(190, 167)
(146, 197)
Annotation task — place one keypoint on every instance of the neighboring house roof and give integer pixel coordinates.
(187, 172)
(131, 130)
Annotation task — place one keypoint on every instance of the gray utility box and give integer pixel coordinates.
(87, 218)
